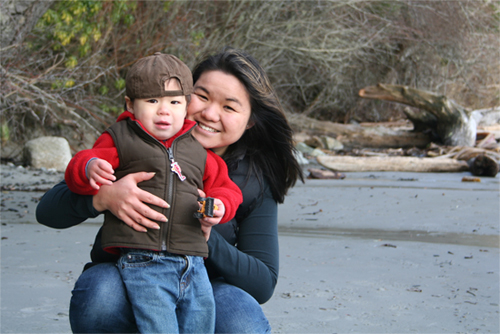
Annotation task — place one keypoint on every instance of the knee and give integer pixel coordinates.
(98, 287)
(97, 298)
(237, 311)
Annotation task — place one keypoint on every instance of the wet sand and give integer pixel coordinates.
(373, 253)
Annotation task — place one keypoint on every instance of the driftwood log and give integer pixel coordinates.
(452, 123)
(392, 164)
(357, 136)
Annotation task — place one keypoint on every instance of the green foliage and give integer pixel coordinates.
(385, 9)
(81, 34)
(166, 6)
(75, 26)
(110, 109)
(103, 90)
(71, 62)
(58, 84)
(120, 84)
(4, 132)
(318, 54)
(197, 37)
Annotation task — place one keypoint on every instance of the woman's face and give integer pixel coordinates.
(220, 105)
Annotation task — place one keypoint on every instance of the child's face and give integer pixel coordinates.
(164, 116)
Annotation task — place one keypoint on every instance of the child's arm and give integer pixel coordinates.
(217, 184)
(76, 172)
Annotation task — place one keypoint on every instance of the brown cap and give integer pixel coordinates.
(146, 78)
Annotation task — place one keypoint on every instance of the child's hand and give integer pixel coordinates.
(208, 222)
(218, 214)
(100, 171)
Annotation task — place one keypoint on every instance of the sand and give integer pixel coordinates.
(383, 252)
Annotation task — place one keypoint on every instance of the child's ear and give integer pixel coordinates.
(129, 104)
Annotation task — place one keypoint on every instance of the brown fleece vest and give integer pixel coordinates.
(138, 151)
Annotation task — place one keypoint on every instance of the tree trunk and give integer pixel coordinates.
(452, 123)
(18, 17)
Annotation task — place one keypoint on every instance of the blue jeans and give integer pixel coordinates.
(100, 305)
(169, 293)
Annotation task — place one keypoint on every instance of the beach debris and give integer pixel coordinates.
(483, 165)
(312, 213)
(450, 122)
(316, 173)
(391, 164)
(324, 142)
(415, 288)
(470, 179)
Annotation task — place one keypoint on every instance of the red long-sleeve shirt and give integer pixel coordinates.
(216, 182)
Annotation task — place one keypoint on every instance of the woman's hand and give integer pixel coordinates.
(127, 202)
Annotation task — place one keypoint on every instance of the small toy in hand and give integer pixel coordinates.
(207, 207)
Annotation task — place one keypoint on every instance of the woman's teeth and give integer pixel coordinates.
(204, 127)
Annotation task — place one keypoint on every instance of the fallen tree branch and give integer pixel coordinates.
(357, 136)
(391, 164)
(452, 123)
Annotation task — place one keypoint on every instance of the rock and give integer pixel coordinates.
(47, 152)
(299, 137)
(304, 148)
(317, 152)
(324, 142)
(300, 158)
(315, 142)
(331, 144)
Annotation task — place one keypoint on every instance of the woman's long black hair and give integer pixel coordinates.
(268, 143)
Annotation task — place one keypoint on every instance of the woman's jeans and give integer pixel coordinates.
(169, 293)
(100, 304)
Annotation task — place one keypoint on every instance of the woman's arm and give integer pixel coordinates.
(253, 263)
(60, 208)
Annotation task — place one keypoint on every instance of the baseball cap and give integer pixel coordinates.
(146, 78)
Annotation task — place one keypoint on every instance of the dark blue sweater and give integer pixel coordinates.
(244, 251)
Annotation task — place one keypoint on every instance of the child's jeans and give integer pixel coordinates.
(169, 293)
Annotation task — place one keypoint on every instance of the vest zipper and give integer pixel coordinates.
(174, 169)
(170, 196)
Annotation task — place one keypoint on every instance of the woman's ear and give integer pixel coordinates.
(129, 104)
(249, 125)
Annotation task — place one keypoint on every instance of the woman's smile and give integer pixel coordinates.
(207, 128)
(220, 105)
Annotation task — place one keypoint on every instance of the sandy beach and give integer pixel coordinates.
(372, 253)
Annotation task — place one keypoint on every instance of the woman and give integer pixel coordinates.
(240, 119)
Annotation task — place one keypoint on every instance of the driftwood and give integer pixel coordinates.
(483, 165)
(452, 123)
(351, 135)
(391, 164)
